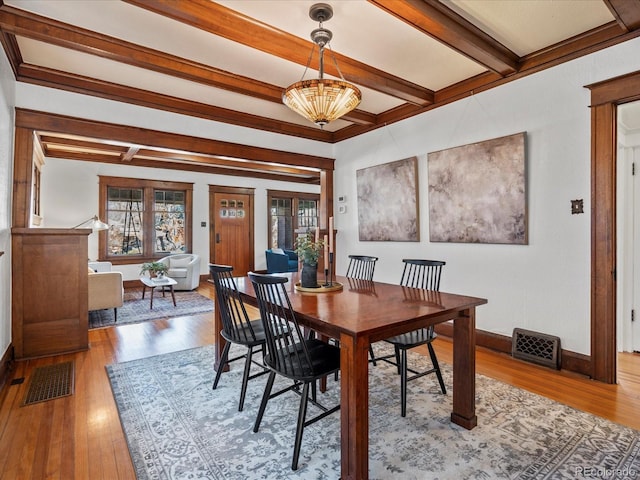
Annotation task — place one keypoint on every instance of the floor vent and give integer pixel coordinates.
(52, 381)
(536, 347)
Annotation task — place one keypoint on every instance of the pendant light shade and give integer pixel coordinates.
(321, 100)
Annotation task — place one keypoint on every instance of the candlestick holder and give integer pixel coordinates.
(328, 273)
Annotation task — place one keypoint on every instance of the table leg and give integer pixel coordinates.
(173, 295)
(464, 369)
(218, 340)
(144, 289)
(152, 290)
(354, 408)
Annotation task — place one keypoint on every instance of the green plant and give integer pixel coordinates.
(154, 268)
(308, 249)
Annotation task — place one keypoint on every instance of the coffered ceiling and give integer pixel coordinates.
(230, 60)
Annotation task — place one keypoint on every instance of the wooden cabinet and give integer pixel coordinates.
(49, 291)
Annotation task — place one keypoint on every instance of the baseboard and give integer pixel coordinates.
(570, 361)
(6, 367)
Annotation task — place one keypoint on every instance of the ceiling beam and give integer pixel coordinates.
(51, 122)
(626, 12)
(224, 162)
(222, 21)
(130, 153)
(28, 25)
(181, 166)
(98, 88)
(443, 24)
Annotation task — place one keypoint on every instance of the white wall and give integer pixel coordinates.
(70, 195)
(7, 99)
(543, 286)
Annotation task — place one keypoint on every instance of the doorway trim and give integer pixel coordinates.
(605, 98)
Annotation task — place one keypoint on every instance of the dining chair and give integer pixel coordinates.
(362, 267)
(419, 274)
(237, 327)
(290, 354)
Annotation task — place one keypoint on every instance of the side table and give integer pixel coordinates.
(152, 283)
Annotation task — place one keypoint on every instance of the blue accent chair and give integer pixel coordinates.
(281, 261)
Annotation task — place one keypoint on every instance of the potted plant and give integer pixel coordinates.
(308, 250)
(154, 269)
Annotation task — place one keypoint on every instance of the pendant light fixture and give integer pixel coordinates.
(321, 100)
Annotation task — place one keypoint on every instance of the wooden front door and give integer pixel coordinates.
(231, 240)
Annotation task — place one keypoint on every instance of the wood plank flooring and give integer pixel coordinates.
(80, 437)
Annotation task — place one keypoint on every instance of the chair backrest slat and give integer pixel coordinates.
(235, 321)
(361, 267)
(282, 331)
(422, 273)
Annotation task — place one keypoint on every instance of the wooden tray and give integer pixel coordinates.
(334, 287)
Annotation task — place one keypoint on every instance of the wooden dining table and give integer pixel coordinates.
(362, 313)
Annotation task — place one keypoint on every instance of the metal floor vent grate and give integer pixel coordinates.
(52, 381)
(536, 347)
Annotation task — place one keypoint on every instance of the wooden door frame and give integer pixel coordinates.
(213, 189)
(605, 98)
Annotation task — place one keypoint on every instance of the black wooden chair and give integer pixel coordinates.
(237, 327)
(419, 274)
(362, 267)
(290, 354)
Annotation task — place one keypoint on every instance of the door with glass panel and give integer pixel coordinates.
(231, 239)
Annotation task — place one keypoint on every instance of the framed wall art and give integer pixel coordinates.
(477, 192)
(388, 202)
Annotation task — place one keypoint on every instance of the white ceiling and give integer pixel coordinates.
(230, 60)
(362, 31)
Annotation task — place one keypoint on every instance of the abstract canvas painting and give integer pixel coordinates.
(477, 192)
(388, 202)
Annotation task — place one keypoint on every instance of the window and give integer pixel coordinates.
(147, 219)
(290, 212)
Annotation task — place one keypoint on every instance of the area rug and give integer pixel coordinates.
(136, 309)
(177, 427)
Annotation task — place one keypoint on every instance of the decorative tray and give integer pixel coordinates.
(334, 287)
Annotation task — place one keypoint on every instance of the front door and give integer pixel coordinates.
(231, 239)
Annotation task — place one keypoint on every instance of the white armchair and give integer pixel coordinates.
(184, 268)
(105, 288)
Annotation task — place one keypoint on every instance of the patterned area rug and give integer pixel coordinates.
(177, 427)
(136, 310)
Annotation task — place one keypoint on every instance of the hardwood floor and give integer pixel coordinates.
(80, 437)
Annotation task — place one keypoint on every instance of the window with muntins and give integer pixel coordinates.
(289, 212)
(147, 219)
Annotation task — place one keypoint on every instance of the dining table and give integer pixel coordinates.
(359, 313)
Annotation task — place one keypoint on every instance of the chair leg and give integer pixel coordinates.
(265, 399)
(397, 349)
(302, 414)
(403, 382)
(223, 362)
(434, 360)
(245, 378)
(115, 315)
(372, 356)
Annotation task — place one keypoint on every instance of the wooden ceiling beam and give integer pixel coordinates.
(182, 166)
(51, 122)
(130, 153)
(443, 24)
(222, 21)
(224, 162)
(626, 13)
(26, 24)
(98, 88)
